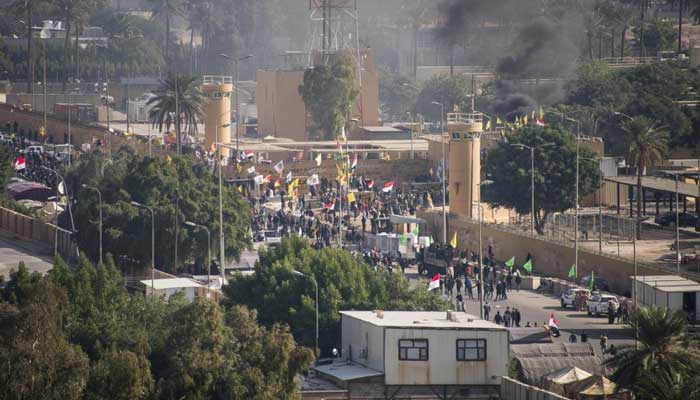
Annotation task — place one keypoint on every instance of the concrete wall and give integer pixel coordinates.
(34, 230)
(357, 336)
(515, 390)
(442, 367)
(549, 258)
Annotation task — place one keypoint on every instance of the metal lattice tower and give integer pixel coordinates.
(335, 27)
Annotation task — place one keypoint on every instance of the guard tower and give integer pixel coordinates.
(465, 162)
(217, 112)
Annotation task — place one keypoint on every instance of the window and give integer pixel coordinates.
(413, 349)
(471, 350)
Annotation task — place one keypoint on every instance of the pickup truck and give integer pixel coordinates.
(598, 304)
(568, 298)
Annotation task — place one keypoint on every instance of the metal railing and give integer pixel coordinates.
(465, 118)
(217, 80)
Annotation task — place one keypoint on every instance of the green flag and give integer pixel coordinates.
(403, 239)
(572, 271)
(591, 282)
(416, 231)
(510, 263)
(528, 266)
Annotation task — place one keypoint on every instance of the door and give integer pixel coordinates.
(690, 305)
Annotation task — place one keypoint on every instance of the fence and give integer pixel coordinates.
(561, 227)
(34, 230)
(516, 390)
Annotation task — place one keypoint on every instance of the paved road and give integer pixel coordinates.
(12, 251)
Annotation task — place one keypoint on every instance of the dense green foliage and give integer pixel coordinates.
(397, 96)
(662, 356)
(168, 186)
(451, 91)
(555, 172)
(77, 334)
(345, 283)
(328, 92)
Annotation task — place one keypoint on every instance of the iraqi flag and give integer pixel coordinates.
(20, 163)
(388, 187)
(354, 162)
(434, 283)
(248, 154)
(329, 206)
(539, 121)
(554, 326)
(370, 184)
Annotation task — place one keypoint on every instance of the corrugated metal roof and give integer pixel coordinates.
(533, 369)
(553, 350)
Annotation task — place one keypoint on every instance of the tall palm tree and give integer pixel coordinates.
(166, 9)
(180, 102)
(646, 144)
(662, 386)
(661, 350)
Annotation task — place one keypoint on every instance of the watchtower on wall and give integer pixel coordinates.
(217, 112)
(465, 162)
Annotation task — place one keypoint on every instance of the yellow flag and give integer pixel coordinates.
(541, 113)
(488, 125)
(169, 160)
(239, 168)
(318, 159)
(453, 242)
(532, 116)
(430, 172)
(430, 200)
(239, 188)
(351, 197)
(498, 121)
(525, 120)
(42, 131)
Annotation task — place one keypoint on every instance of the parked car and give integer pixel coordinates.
(34, 150)
(684, 219)
(599, 283)
(568, 298)
(598, 304)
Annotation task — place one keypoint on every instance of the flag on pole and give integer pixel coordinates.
(430, 172)
(488, 125)
(553, 326)
(249, 154)
(279, 167)
(278, 183)
(539, 121)
(403, 239)
(329, 206)
(416, 231)
(430, 200)
(498, 121)
(354, 162)
(528, 266)
(388, 187)
(259, 179)
(572, 271)
(434, 283)
(20, 163)
(267, 179)
(318, 159)
(541, 113)
(591, 282)
(351, 197)
(289, 177)
(370, 184)
(525, 120)
(510, 263)
(453, 242)
(251, 170)
(313, 180)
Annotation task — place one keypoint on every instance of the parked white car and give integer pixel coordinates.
(34, 150)
(568, 298)
(598, 304)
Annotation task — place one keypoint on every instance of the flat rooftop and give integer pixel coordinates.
(364, 146)
(423, 319)
(172, 283)
(659, 184)
(669, 283)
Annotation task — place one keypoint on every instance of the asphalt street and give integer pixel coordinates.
(12, 251)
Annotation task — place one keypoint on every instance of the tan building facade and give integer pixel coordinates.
(217, 112)
(464, 162)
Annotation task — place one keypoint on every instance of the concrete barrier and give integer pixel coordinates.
(530, 283)
(34, 230)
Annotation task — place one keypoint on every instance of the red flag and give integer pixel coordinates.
(552, 321)
(354, 162)
(370, 184)
(539, 121)
(434, 283)
(20, 163)
(388, 187)
(329, 206)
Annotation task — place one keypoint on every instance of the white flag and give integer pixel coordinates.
(289, 177)
(318, 159)
(279, 167)
(313, 180)
(251, 170)
(259, 179)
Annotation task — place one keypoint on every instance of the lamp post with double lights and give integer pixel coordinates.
(153, 241)
(99, 196)
(444, 172)
(532, 178)
(600, 209)
(295, 272)
(58, 198)
(236, 89)
(204, 228)
(481, 257)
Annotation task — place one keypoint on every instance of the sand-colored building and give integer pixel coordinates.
(281, 109)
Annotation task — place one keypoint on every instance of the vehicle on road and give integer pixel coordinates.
(568, 298)
(599, 283)
(435, 259)
(598, 304)
(269, 237)
(668, 219)
(34, 150)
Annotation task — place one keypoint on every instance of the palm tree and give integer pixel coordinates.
(646, 145)
(661, 350)
(179, 102)
(662, 386)
(166, 9)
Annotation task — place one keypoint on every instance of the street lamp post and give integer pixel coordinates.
(295, 272)
(578, 145)
(222, 254)
(238, 113)
(600, 208)
(99, 196)
(532, 179)
(444, 172)
(58, 198)
(153, 240)
(412, 123)
(481, 272)
(192, 224)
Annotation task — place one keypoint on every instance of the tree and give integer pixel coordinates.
(661, 385)
(281, 296)
(658, 36)
(178, 101)
(451, 91)
(646, 145)
(396, 95)
(661, 352)
(120, 375)
(328, 93)
(555, 173)
(166, 9)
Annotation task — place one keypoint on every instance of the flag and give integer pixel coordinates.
(20, 163)
(249, 154)
(525, 120)
(259, 179)
(572, 271)
(488, 125)
(278, 183)
(251, 170)
(354, 162)
(329, 206)
(289, 177)
(42, 131)
(453, 242)
(267, 179)
(343, 137)
(239, 168)
(434, 283)
(528, 266)
(430, 200)
(430, 172)
(292, 186)
(553, 326)
(351, 197)
(403, 239)
(279, 167)
(541, 113)
(510, 263)
(370, 184)
(318, 159)
(591, 283)
(498, 121)
(416, 231)
(239, 188)
(313, 180)
(539, 122)
(388, 187)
